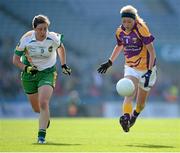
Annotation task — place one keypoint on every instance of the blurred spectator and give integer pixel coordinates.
(75, 106)
(96, 85)
(171, 94)
(97, 79)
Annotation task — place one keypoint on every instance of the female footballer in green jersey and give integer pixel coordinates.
(36, 55)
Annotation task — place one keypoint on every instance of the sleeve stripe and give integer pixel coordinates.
(19, 53)
(62, 38)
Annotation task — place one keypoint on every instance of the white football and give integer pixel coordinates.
(125, 87)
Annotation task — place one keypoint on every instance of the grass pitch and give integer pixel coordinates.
(91, 135)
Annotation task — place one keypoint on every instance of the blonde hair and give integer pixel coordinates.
(38, 19)
(133, 10)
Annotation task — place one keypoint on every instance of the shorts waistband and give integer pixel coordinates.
(50, 69)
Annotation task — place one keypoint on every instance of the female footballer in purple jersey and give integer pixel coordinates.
(135, 40)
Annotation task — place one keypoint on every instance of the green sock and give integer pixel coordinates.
(42, 133)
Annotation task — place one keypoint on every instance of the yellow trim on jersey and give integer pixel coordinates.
(138, 62)
(143, 30)
(135, 31)
(118, 31)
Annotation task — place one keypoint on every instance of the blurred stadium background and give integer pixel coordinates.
(89, 28)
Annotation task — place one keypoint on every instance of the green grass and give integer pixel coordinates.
(91, 135)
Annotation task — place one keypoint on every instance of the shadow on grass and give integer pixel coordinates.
(57, 144)
(150, 146)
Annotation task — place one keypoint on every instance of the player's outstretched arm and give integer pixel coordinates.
(104, 66)
(116, 51)
(62, 55)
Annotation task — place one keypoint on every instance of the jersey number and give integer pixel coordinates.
(127, 41)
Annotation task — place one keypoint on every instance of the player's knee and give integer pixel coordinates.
(44, 104)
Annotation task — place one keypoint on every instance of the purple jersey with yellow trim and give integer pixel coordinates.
(134, 45)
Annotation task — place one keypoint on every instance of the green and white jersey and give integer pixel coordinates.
(41, 54)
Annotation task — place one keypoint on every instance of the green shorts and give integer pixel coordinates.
(31, 83)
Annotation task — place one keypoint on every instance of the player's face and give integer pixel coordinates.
(41, 31)
(128, 23)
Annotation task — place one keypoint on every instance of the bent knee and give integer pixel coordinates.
(36, 110)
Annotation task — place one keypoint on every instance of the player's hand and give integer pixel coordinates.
(65, 69)
(147, 76)
(103, 68)
(31, 69)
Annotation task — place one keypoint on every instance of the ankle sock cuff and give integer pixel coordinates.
(42, 133)
(135, 113)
